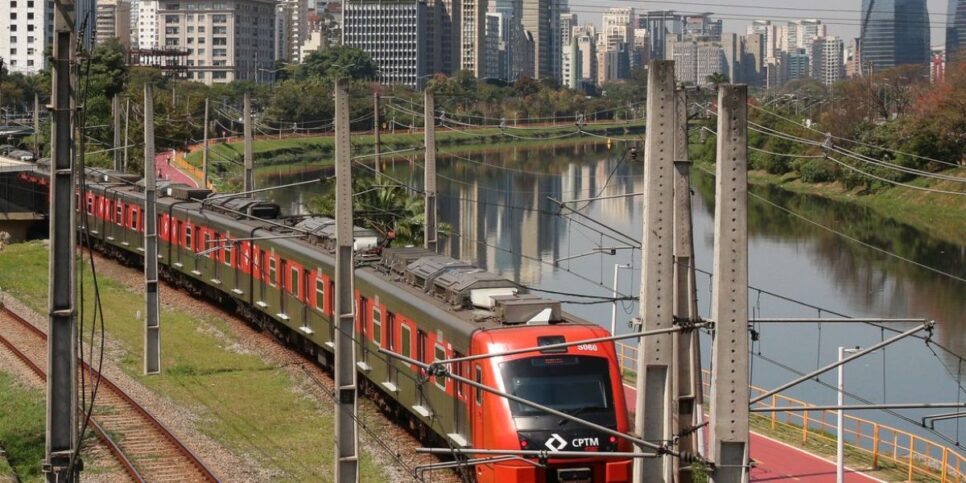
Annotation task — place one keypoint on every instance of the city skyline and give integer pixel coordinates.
(737, 18)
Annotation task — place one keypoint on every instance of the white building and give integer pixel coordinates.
(226, 40)
(828, 60)
(282, 32)
(393, 34)
(146, 29)
(472, 36)
(114, 22)
(695, 60)
(297, 28)
(28, 28)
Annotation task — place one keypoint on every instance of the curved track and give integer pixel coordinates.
(147, 451)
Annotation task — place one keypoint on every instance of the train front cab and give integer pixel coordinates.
(582, 380)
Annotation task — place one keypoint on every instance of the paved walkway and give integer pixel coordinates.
(777, 461)
(164, 161)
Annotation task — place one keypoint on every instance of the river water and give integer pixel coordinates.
(498, 206)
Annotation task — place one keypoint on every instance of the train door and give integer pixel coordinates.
(477, 405)
(363, 319)
(281, 288)
(215, 255)
(306, 287)
(421, 356)
(261, 276)
(392, 371)
(331, 312)
(459, 401)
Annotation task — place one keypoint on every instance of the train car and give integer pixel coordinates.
(279, 273)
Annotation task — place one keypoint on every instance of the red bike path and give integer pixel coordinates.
(778, 461)
(168, 172)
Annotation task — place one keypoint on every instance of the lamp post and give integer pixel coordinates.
(840, 417)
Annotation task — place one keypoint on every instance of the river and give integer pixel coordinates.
(498, 206)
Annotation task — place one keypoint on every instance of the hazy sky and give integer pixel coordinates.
(841, 15)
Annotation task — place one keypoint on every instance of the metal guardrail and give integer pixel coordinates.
(920, 457)
(181, 163)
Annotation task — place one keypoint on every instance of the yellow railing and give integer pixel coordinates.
(918, 456)
(181, 163)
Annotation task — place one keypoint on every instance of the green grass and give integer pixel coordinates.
(272, 155)
(251, 407)
(21, 429)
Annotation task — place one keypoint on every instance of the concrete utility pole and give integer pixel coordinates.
(116, 112)
(346, 432)
(204, 151)
(729, 352)
(654, 365)
(36, 126)
(375, 131)
(249, 184)
(429, 173)
(127, 124)
(61, 437)
(152, 320)
(687, 374)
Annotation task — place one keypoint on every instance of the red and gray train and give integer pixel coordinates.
(279, 272)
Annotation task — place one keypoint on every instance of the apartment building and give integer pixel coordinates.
(394, 35)
(226, 40)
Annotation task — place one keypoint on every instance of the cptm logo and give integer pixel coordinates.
(556, 443)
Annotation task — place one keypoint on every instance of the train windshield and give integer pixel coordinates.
(566, 383)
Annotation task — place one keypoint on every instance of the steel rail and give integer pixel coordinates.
(102, 434)
(541, 453)
(110, 386)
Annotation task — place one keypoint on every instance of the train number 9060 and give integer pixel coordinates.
(587, 347)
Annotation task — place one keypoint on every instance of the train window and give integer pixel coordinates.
(90, 205)
(439, 355)
(391, 330)
(294, 287)
(134, 221)
(458, 370)
(119, 213)
(207, 244)
(377, 324)
(479, 380)
(271, 269)
(406, 348)
(187, 236)
(228, 245)
(320, 294)
(561, 382)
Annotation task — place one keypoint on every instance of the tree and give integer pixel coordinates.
(386, 208)
(335, 62)
(717, 79)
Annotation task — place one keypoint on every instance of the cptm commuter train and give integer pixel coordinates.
(278, 271)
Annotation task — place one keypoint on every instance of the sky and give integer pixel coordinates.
(842, 15)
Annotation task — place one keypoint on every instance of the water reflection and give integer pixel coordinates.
(502, 217)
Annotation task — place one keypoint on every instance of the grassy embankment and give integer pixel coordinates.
(942, 216)
(253, 408)
(272, 155)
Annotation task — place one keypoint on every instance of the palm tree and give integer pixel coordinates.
(717, 79)
(389, 209)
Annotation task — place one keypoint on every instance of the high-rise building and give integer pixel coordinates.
(394, 35)
(586, 37)
(827, 60)
(494, 50)
(282, 32)
(29, 29)
(568, 20)
(541, 20)
(894, 33)
(570, 65)
(696, 60)
(662, 26)
(114, 22)
(472, 33)
(226, 41)
(702, 26)
(85, 16)
(296, 29)
(146, 27)
(753, 60)
(796, 65)
(853, 59)
(956, 30)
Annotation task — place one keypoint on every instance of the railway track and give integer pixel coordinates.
(145, 449)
